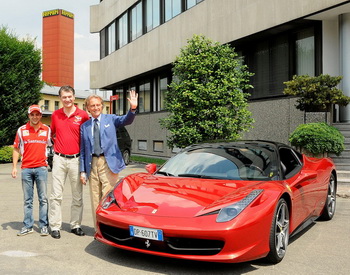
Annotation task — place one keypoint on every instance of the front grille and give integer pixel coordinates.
(179, 246)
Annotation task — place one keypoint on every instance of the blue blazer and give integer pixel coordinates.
(109, 142)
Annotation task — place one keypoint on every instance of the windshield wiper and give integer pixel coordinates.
(195, 176)
(165, 173)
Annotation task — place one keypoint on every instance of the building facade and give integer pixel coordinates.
(139, 40)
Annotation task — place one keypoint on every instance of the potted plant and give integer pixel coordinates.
(316, 93)
(317, 139)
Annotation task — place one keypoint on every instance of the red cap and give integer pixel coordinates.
(34, 108)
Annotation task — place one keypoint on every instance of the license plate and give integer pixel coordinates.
(146, 233)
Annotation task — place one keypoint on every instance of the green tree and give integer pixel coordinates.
(20, 83)
(316, 93)
(206, 99)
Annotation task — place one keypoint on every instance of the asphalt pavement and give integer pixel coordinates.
(321, 249)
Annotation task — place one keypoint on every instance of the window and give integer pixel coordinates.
(111, 38)
(57, 105)
(142, 145)
(103, 43)
(136, 21)
(46, 105)
(305, 53)
(145, 97)
(163, 86)
(172, 8)
(158, 146)
(270, 64)
(191, 3)
(119, 103)
(123, 30)
(153, 14)
(290, 162)
(274, 57)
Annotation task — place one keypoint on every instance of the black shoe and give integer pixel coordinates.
(55, 234)
(78, 231)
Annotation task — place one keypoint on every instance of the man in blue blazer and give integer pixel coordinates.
(100, 157)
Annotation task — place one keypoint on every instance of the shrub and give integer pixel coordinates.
(6, 154)
(318, 138)
(316, 93)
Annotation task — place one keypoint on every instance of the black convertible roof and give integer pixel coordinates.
(260, 143)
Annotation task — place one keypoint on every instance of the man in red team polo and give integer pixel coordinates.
(31, 142)
(65, 127)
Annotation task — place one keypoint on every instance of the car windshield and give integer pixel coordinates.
(238, 162)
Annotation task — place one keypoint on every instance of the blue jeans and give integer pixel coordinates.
(30, 176)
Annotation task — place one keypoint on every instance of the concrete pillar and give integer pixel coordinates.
(344, 28)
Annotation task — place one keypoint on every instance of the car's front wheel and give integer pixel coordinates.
(126, 157)
(329, 207)
(279, 233)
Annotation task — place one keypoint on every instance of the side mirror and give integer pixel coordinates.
(151, 168)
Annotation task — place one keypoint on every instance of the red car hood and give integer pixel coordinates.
(178, 197)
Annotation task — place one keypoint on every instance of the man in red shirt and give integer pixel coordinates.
(65, 127)
(31, 142)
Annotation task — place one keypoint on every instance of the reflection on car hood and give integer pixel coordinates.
(178, 197)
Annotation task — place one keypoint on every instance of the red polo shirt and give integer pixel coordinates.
(66, 130)
(32, 145)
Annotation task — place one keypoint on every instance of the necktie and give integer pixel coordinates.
(97, 142)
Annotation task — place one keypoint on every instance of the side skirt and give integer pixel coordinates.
(304, 225)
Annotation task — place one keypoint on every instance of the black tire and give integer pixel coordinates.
(279, 233)
(126, 156)
(329, 207)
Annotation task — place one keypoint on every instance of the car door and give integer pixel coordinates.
(301, 182)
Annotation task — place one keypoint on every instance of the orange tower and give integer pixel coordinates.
(58, 47)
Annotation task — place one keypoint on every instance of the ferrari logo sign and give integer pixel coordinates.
(114, 97)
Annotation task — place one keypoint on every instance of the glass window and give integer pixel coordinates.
(239, 162)
(111, 38)
(172, 8)
(123, 30)
(153, 14)
(103, 43)
(136, 21)
(260, 69)
(269, 61)
(46, 105)
(158, 146)
(57, 105)
(279, 69)
(305, 53)
(190, 3)
(145, 97)
(119, 103)
(142, 145)
(163, 84)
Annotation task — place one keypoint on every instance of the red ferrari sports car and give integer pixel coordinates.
(219, 202)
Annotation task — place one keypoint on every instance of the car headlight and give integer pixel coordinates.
(232, 211)
(109, 198)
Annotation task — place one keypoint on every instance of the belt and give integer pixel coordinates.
(101, 155)
(68, 156)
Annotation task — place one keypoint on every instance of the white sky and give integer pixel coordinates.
(24, 19)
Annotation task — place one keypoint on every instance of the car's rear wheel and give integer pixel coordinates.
(329, 207)
(279, 233)
(126, 156)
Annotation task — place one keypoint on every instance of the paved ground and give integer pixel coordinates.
(322, 249)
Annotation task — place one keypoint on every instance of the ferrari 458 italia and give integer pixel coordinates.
(219, 202)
